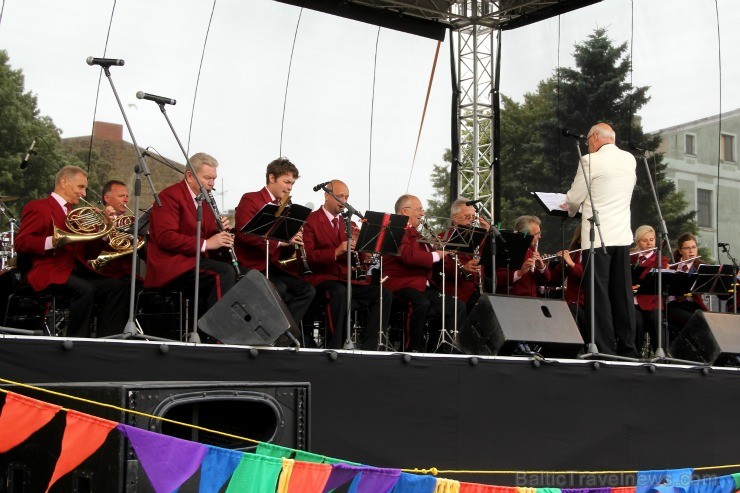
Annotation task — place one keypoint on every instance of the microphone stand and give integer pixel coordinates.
(132, 330)
(348, 227)
(592, 350)
(662, 237)
(493, 233)
(203, 195)
(734, 277)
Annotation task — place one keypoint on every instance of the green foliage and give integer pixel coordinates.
(535, 157)
(21, 123)
(439, 205)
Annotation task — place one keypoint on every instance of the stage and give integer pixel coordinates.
(452, 412)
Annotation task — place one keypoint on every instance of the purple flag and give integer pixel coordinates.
(376, 480)
(167, 461)
(341, 474)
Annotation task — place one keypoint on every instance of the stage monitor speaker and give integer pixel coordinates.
(507, 325)
(251, 313)
(272, 412)
(710, 338)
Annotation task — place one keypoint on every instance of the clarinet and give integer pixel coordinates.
(232, 254)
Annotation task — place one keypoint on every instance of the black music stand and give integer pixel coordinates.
(551, 203)
(273, 223)
(382, 234)
(714, 279)
(509, 253)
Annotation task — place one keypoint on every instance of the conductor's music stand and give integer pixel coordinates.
(382, 234)
(276, 222)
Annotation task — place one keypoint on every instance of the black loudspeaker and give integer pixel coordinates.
(506, 325)
(710, 338)
(251, 313)
(273, 412)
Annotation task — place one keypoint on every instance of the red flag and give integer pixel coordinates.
(21, 417)
(83, 435)
(308, 477)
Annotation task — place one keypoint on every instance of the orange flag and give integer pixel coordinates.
(21, 417)
(83, 435)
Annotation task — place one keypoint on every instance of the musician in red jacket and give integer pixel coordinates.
(281, 175)
(680, 309)
(410, 276)
(170, 260)
(646, 305)
(533, 272)
(325, 239)
(65, 270)
(467, 269)
(575, 289)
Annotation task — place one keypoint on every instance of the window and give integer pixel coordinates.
(690, 144)
(727, 148)
(704, 207)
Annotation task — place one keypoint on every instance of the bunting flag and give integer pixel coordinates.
(217, 467)
(167, 461)
(722, 484)
(377, 480)
(624, 489)
(256, 474)
(21, 417)
(484, 488)
(83, 435)
(308, 477)
(586, 490)
(664, 481)
(447, 486)
(341, 474)
(272, 450)
(414, 483)
(285, 473)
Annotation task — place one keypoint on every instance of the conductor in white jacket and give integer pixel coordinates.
(611, 173)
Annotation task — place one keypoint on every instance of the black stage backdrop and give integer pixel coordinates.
(446, 411)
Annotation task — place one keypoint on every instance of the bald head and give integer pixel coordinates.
(340, 190)
(600, 134)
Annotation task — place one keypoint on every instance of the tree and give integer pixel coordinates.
(20, 124)
(439, 206)
(535, 156)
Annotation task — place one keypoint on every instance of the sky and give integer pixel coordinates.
(330, 98)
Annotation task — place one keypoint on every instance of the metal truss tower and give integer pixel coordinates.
(476, 84)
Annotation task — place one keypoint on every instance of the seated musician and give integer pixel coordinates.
(325, 239)
(467, 269)
(533, 272)
(646, 305)
(65, 269)
(297, 294)
(115, 200)
(575, 289)
(410, 276)
(171, 247)
(680, 309)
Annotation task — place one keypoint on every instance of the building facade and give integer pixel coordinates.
(703, 162)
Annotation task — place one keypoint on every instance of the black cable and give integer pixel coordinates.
(719, 120)
(2, 9)
(197, 80)
(287, 81)
(372, 112)
(632, 92)
(97, 92)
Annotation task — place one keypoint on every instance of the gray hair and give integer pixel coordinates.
(457, 205)
(522, 223)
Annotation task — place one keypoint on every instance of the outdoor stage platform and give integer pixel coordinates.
(446, 411)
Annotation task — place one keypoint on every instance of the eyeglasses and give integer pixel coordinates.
(467, 217)
(417, 209)
(690, 248)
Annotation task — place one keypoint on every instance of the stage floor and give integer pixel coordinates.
(453, 412)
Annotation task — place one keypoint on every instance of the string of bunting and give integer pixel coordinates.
(168, 462)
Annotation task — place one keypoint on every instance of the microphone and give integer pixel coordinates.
(156, 99)
(24, 163)
(723, 245)
(472, 202)
(104, 62)
(569, 133)
(320, 186)
(638, 148)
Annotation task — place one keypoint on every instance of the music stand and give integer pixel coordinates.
(275, 222)
(381, 234)
(713, 279)
(509, 252)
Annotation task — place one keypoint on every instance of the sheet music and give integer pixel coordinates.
(553, 200)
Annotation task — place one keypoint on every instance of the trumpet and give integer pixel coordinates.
(83, 224)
